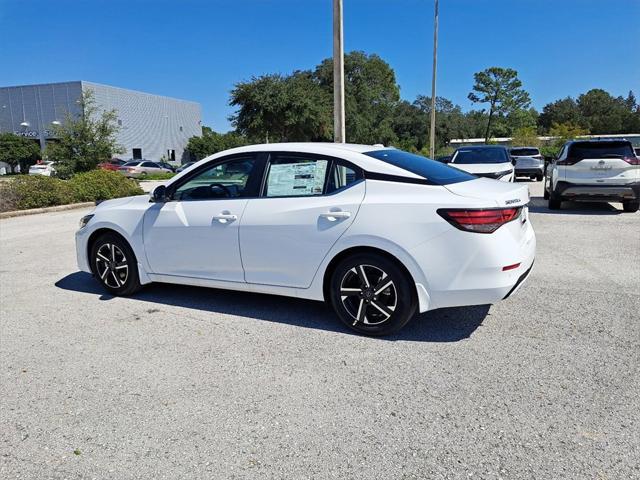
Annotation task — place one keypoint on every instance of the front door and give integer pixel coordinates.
(195, 233)
(307, 203)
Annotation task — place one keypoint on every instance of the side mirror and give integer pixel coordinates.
(159, 194)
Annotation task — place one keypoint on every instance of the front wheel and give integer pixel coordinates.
(372, 294)
(114, 264)
(630, 206)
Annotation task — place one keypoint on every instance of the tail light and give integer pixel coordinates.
(568, 161)
(479, 220)
(632, 160)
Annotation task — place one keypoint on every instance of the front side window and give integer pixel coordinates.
(223, 180)
(149, 165)
(291, 175)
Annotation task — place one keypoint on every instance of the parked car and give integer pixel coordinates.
(166, 165)
(141, 168)
(43, 168)
(528, 162)
(112, 165)
(292, 219)
(488, 161)
(594, 170)
(184, 166)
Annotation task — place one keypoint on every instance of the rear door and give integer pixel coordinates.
(307, 203)
(600, 163)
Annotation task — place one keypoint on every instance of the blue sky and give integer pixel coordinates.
(197, 49)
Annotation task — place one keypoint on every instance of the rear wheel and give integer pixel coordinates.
(372, 295)
(114, 264)
(545, 193)
(630, 206)
(539, 177)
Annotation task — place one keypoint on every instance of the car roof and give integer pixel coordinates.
(351, 152)
(481, 147)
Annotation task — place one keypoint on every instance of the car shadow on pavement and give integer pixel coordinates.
(539, 205)
(442, 325)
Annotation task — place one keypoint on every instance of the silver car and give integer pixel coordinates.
(142, 168)
(528, 162)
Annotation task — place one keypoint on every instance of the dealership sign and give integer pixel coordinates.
(35, 133)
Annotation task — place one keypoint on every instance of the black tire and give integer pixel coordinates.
(630, 206)
(118, 275)
(545, 191)
(365, 309)
(555, 201)
(539, 178)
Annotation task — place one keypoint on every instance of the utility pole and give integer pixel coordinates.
(338, 74)
(432, 133)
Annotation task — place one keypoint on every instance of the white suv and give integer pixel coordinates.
(594, 170)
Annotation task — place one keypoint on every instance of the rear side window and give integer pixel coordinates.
(524, 152)
(616, 149)
(436, 172)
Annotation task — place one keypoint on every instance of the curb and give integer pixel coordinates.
(57, 208)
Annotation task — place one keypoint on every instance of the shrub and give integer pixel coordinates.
(102, 185)
(36, 191)
(158, 176)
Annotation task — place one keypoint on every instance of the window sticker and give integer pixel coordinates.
(291, 179)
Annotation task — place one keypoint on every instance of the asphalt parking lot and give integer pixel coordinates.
(181, 382)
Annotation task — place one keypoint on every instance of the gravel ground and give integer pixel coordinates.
(181, 382)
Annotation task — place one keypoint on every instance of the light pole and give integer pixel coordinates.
(338, 74)
(432, 132)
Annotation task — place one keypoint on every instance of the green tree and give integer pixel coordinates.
(371, 94)
(604, 113)
(86, 140)
(282, 108)
(525, 137)
(17, 150)
(561, 111)
(562, 133)
(212, 142)
(502, 90)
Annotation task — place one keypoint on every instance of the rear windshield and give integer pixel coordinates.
(433, 171)
(524, 152)
(616, 149)
(480, 155)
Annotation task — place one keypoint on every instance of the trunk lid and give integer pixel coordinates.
(502, 194)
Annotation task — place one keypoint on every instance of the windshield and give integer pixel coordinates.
(524, 152)
(433, 171)
(617, 149)
(481, 155)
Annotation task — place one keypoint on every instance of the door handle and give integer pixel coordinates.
(334, 216)
(226, 218)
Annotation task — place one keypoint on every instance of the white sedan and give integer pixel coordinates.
(378, 233)
(487, 161)
(43, 168)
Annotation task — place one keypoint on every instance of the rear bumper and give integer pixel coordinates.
(470, 271)
(605, 193)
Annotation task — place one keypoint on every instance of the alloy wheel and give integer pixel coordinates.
(368, 294)
(111, 265)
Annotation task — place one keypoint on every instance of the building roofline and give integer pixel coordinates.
(89, 83)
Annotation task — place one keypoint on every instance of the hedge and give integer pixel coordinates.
(36, 191)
